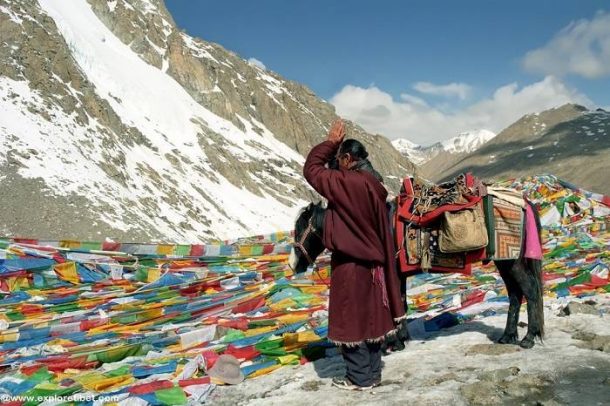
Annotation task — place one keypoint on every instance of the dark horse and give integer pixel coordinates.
(523, 277)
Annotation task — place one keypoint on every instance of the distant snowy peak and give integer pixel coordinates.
(468, 141)
(405, 146)
(414, 152)
(465, 142)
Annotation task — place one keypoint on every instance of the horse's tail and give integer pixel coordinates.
(535, 265)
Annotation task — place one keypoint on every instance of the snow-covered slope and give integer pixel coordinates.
(172, 123)
(115, 123)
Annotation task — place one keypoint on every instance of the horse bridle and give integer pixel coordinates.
(299, 244)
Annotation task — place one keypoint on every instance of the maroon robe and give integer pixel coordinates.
(365, 297)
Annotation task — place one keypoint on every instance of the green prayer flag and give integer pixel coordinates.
(171, 396)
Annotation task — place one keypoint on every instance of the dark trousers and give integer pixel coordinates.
(363, 363)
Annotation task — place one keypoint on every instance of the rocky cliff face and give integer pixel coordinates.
(232, 88)
(117, 124)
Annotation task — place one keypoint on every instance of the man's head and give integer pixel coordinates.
(350, 152)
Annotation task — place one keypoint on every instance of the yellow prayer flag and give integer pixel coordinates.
(260, 330)
(153, 274)
(245, 250)
(283, 304)
(106, 384)
(264, 371)
(313, 289)
(308, 336)
(292, 318)
(165, 249)
(290, 338)
(288, 359)
(17, 283)
(8, 337)
(272, 258)
(67, 272)
(70, 244)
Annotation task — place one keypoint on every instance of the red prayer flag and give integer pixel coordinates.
(197, 250)
(195, 381)
(249, 305)
(246, 353)
(150, 387)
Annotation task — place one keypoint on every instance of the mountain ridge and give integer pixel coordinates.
(569, 141)
(179, 140)
(465, 142)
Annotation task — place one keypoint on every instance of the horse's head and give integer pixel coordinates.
(307, 237)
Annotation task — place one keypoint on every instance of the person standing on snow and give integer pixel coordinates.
(365, 303)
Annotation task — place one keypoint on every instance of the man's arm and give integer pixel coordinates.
(322, 179)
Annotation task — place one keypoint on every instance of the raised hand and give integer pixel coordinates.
(337, 132)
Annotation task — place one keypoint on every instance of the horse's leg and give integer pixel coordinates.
(402, 277)
(403, 331)
(536, 322)
(527, 273)
(396, 342)
(515, 296)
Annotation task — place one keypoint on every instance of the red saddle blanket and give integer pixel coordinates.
(417, 221)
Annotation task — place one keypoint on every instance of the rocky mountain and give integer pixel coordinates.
(570, 142)
(463, 143)
(115, 123)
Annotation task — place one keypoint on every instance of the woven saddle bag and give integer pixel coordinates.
(463, 230)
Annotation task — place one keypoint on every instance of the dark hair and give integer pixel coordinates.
(354, 148)
(358, 153)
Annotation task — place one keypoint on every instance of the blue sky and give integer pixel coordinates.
(422, 70)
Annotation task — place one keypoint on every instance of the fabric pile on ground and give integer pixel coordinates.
(145, 324)
(150, 321)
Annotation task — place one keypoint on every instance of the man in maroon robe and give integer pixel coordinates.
(365, 302)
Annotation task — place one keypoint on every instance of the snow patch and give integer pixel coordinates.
(12, 16)
(111, 5)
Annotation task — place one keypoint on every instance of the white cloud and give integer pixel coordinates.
(460, 90)
(413, 119)
(257, 63)
(413, 99)
(582, 48)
